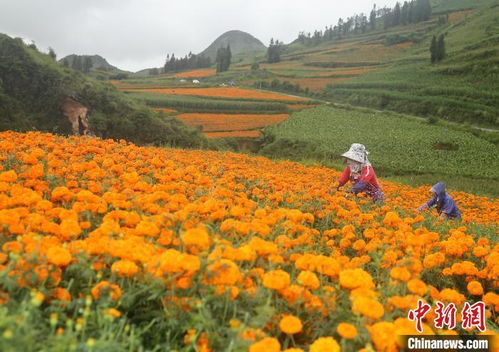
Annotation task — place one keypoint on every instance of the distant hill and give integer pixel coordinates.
(390, 68)
(33, 88)
(240, 43)
(98, 63)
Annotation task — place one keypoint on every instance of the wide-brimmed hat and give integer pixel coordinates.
(356, 152)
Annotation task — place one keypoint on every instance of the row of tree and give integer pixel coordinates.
(410, 12)
(437, 49)
(79, 63)
(189, 62)
(274, 51)
(224, 56)
(413, 11)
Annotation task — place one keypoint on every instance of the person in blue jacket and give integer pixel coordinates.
(446, 206)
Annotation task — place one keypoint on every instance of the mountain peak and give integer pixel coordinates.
(240, 43)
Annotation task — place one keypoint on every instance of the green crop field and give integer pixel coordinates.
(461, 88)
(207, 104)
(399, 146)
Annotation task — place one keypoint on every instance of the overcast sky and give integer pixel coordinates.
(137, 34)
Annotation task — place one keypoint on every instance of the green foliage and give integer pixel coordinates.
(189, 62)
(274, 51)
(206, 104)
(33, 88)
(255, 66)
(433, 50)
(224, 56)
(398, 145)
(281, 86)
(52, 54)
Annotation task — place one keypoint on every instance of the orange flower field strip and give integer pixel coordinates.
(222, 92)
(195, 74)
(93, 223)
(166, 110)
(233, 134)
(230, 122)
(458, 16)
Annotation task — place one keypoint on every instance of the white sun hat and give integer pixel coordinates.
(357, 152)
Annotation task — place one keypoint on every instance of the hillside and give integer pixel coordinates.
(33, 88)
(98, 63)
(112, 247)
(241, 43)
(390, 68)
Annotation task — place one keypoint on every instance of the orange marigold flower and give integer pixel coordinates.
(58, 256)
(308, 279)
(400, 273)
(268, 344)
(384, 336)
(125, 268)
(417, 286)
(104, 287)
(276, 279)
(224, 272)
(147, 228)
(69, 228)
(347, 331)
(290, 324)
(355, 278)
(367, 307)
(113, 312)
(8, 176)
(450, 295)
(61, 294)
(392, 219)
(475, 288)
(325, 344)
(197, 237)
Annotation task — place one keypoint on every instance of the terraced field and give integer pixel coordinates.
(220, 112)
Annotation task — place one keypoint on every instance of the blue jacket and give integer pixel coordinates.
(444, 202)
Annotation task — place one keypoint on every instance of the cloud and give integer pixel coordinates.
(135, 34)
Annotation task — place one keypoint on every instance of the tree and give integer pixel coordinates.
(396, 15)
(224, 56)
(87, 64)
(441, 48)
(153, 72)
(372, 18)
(52, 54)
(404, 15)
(425, 10)
(433, 50)
(65, 63)
(77, 64)
(274, 51)
(228, 58)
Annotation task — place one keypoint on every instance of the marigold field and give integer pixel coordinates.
(230, 122)
(196, 73)
(107, 246)
(234, 134)
(222, 92)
